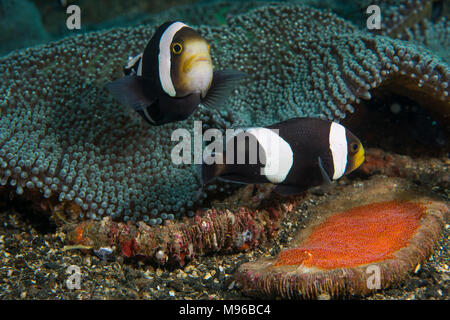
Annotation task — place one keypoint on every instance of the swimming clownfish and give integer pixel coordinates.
(172, 76)
(305, 152)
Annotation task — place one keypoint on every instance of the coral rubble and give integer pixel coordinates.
(177, 243)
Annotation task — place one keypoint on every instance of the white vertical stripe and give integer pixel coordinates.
(164, 57)
(279, 155)
(338, 147)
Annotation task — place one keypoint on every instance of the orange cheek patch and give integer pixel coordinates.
(359, 236)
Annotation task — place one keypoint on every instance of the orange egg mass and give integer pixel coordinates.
(358, 236)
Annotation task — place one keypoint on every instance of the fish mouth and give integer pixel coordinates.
(193, 60)
(202, 59)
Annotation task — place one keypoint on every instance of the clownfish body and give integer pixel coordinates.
(172, 76)
(294, 155)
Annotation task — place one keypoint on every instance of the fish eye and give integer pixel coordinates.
(354, 147)
(177, 48)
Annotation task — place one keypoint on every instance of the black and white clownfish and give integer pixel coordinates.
(173, 76)
(303, 153)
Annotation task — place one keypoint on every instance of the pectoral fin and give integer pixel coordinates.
(223, 83)
(128, 91)
(326, 178)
